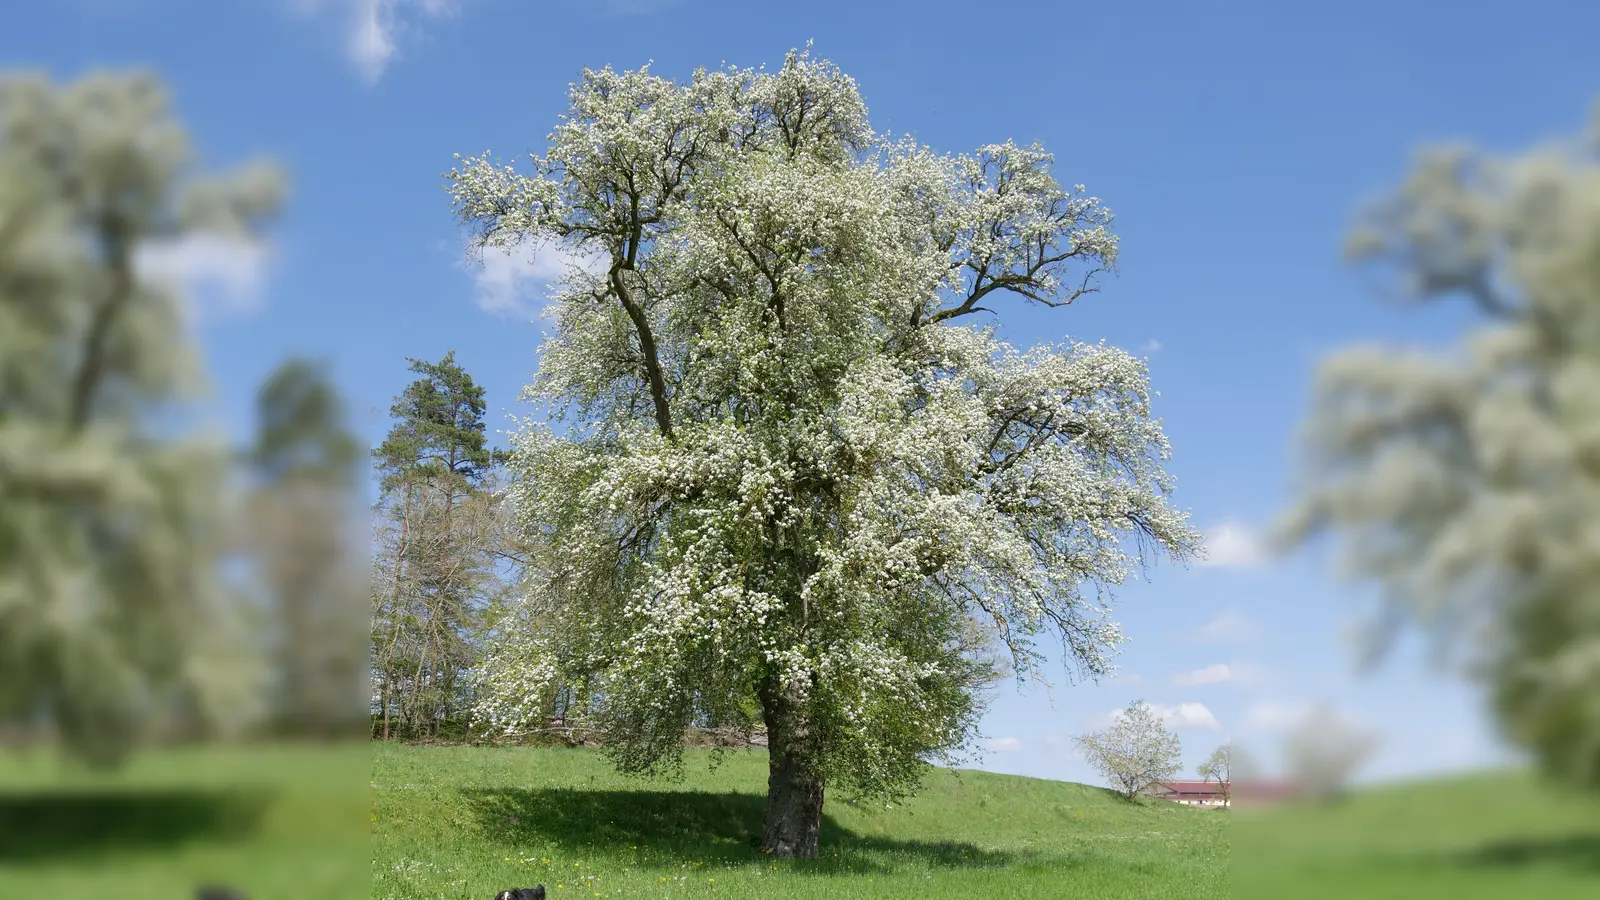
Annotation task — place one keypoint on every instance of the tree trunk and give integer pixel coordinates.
(794, 786)
(394, 609)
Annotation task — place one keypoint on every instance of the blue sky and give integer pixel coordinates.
(1231, 142)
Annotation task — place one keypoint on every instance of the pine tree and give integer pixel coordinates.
(436, 529)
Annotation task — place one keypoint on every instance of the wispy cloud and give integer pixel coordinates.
(213, 273)
(1152, 346)
(1274, 715)
(1131, 678)
(1003, 745)
(1183, 715)
(1232, 545)
(1228, 625)
(508, 283)
(1188, 715)
(1215, 674)
(372, 28)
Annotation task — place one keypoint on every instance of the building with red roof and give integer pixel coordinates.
(1209, 794)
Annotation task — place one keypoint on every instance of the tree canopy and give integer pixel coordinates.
(1467, 482)
(111, 530)
(786, 473)
(1136, 753)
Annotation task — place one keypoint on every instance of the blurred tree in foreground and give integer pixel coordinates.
(112, 609)
(1323, 752)
(1468, 483)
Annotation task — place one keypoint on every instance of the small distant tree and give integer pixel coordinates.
(1324, 751)
(1135, 753)
(1218, 767)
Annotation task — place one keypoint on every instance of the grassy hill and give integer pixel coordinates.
(282, 822)
(456, 822)
(1476, 837)
(466, 822)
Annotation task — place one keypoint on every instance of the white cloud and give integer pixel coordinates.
(210, 271)
(1227, 625)
(1132, 678)
(1250, 674)
(1187, 715)
(506, 282)
(1184, 715)
(1275, 715)
(1152, 346)
(1215, 674)
(371, 42)
(372, 27)
(1003, 745)
(1231, 545)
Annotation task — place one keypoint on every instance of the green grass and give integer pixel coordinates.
(1484, 836)
(456, 822)
(282, 823)
(459, 822)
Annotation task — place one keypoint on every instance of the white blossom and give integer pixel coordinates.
(781, 461)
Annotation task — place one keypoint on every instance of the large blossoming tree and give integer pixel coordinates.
(1466, 484)
(787, 475)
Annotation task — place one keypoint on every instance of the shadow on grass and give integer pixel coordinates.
(1575, 852)
(45, 826)
(690, 825)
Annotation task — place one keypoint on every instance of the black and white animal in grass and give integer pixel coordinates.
(534, 893)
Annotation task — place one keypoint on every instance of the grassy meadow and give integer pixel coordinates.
(1476, 837)
(406, 823)
(282, 823)
(465, 822)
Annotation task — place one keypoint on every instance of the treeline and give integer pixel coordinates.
(446, 565)
(441, 563)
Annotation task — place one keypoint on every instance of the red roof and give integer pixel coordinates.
(1191, 786)
(1202, 788)
(1267, 790)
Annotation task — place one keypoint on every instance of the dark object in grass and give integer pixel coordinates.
(534, 893)
(218, 893)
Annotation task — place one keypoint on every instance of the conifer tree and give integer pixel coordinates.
(435, 536)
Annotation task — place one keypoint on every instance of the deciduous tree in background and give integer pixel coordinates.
(1136, 753)
(1218, 767)
(1467, 482)
(112, 606)
(784, 472)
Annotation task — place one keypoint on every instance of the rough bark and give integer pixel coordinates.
(794, 786)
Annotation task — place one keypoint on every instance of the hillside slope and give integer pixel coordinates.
(466, 822)
(1489, 835)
